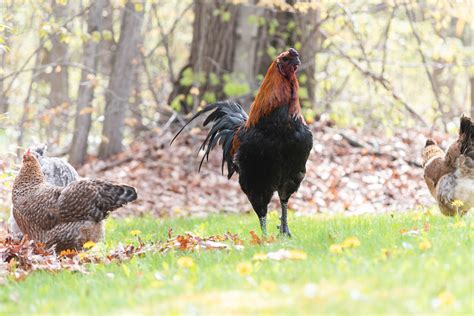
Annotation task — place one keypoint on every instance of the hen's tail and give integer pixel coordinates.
(227, 118)
(122, 194)
(112, 197)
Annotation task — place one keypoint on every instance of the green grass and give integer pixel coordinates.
(359, 281)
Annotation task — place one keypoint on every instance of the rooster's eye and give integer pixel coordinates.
(285, 58)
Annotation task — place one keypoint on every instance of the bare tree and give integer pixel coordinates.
(120, 84)
(82, 124)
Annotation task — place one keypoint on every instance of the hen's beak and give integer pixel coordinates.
(27, 153)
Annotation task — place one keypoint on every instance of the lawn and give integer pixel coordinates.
(401, 263)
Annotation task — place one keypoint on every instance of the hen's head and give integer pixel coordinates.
(31, 165)
(431, 151)
(288, 62)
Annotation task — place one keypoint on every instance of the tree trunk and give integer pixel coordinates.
(82, 125)
(3, 98)
(310, 45)
(212, 52)
(57, 78)
(231, 44)
(118, 92)
(107, 45)
(136, 112)
(303, 36)
(472, 97)
(4, 105)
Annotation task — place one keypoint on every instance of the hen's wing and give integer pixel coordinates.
(92, 199)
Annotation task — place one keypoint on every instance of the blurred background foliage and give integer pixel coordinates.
(89, 77)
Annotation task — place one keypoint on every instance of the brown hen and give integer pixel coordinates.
(64, 217)
(450, 176)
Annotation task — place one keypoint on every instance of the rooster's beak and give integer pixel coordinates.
(295, 61)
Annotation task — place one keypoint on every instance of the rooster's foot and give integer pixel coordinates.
(284, 231)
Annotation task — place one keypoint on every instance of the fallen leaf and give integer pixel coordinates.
(336, 248)
(185, 262)
(424, 245)
(244, 268)
(284, 254)
(351, 242)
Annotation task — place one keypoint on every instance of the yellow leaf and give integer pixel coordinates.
(458, 224)
(446, 298)
(82, 255)
(126, 270)
(194, 91)
(138, 7)
(268, 286)
(336, 248)
(351, 242)
(244, 268)
(135, 232)
(89, 244)
(96, 36)
(259, 256)
(185, 262)
(298, 255)
(425, 245)
(385, 253)
(107, 35)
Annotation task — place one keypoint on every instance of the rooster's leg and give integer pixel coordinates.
(284, 230)
(263, 225)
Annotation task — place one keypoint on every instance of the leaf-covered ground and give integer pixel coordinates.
(380, 176)
(401, 263)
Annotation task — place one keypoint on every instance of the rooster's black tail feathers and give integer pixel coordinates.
(227, 117)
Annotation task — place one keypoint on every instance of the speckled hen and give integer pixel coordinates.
(56, 172)
(450, 176)
(64, 217)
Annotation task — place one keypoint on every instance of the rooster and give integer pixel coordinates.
(63, 217)
(450, 176)
(267, 148)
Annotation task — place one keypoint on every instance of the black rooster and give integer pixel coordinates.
(269, 147)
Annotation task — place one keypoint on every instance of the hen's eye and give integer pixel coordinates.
(285, 58)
